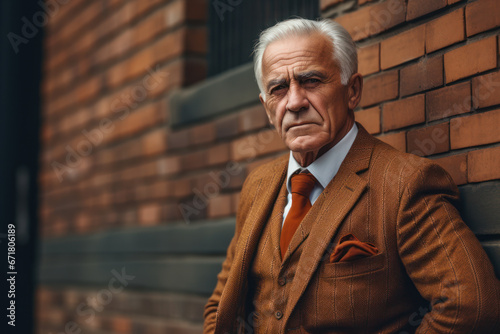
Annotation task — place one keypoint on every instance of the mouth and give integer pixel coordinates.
(297, 125)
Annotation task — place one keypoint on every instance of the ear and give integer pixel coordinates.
(354, 90)
(267, 110)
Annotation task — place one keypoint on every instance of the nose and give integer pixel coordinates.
(297, 100)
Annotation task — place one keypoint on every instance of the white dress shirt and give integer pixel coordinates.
(323, 169)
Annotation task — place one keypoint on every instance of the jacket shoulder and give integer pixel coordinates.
(406, 166)
(267, 169)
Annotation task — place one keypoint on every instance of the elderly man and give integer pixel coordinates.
(345, 234)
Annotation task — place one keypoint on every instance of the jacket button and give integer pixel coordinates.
(278, 315)
(281, 281)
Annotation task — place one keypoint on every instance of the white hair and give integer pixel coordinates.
(344, 49)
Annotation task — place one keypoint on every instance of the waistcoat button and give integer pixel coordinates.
(278, 315)
(282, 281)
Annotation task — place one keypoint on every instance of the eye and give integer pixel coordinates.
(311, 81)
(277, 89)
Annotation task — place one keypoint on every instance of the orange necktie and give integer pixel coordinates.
(302, 185)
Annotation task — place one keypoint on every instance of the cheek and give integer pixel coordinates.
(278, 114)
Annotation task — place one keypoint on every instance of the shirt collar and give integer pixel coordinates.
(325, 167)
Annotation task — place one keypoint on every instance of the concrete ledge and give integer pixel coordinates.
(480, 207)
(180, 258)
(492, 248)
(200, 238)
(192, 275)
(221, 94)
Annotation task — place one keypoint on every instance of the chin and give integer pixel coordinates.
(304, 146)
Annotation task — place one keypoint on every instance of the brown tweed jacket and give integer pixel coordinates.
(431, 275)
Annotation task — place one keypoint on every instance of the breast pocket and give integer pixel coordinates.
(350, 268)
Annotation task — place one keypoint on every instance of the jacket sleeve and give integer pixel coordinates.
(210, 314)
(444, 259)
(211, 308)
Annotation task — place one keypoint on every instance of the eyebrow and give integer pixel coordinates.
(300, 77)
(275, 82)
(309, 74)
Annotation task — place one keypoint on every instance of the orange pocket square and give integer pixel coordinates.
(350, 248)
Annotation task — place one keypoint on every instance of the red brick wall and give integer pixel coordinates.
(109, 66)
(432, 80)
(108, 70)
(111, 160)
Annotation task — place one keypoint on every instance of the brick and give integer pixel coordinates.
(253, 118)
(121, 325)
(403, 47)
(396, 140)
(154, 142)
(471, 59)
(227, 126)
(219, 206)
(484, 165)
(369, 118)
(417, 8)
(445, 30)
(178, 139)
(429, 140)
(182, 187)
(456, 166)
(196, 40)
(202, 134)
(380, 87)
(168, 165)
(252, 146)
(448, 101)
(424, 75)
(128, 217)
(482, 15)
(195, 160)
(194, 70)
(474, 130)
(402, 113)
(369, 59)
(167, 47)
(218, 154)
(486, 90)
(64, 12)
(235, 201)
(196, 10)
(92, 11)
(82, 223)
(324, 4)
(149, 214)
(156, 190)
(372, 20)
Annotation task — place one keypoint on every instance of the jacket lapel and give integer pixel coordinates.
(276, 221)
(335, 202)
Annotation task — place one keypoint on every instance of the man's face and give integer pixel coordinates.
(305, 100)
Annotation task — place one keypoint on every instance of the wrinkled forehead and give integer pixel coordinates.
(296, 54)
